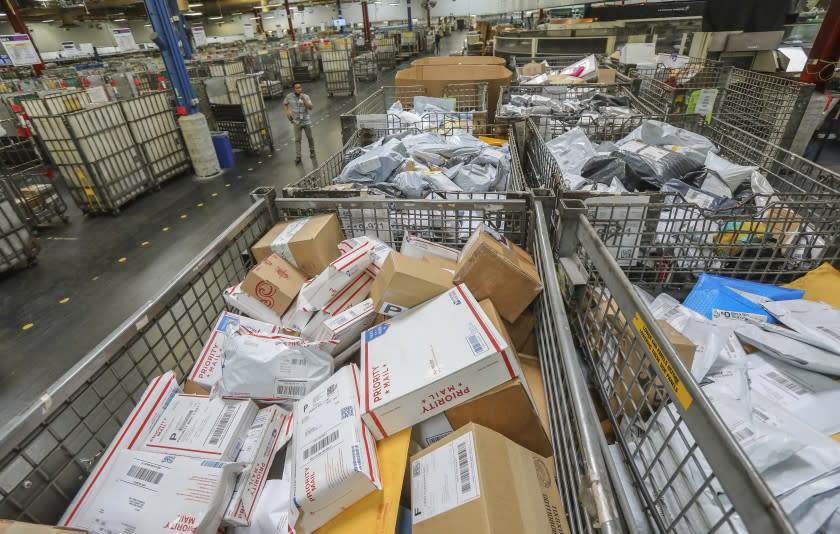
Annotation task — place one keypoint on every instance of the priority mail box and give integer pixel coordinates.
(270, 431)
(274, 282)
(355, 292)
(150, 406)
(335, 462)
(203, 427)
(324, 288)
(308, 243)
(248, 305)
(430, 359)
(417, 247)
(380, 251)
(296, 318)
(476, 480)
(157, 493)
(496, 269)
(404, 282)
(208, 367)
(346, 327)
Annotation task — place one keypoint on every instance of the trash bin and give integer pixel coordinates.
(224, 150)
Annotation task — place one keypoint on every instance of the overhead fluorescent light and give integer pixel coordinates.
(192, 14)
(255, 18)
(120, 20)
(217, 17)
(48, 21)
(2, 14)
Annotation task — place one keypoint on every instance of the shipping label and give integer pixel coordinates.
(444, 479)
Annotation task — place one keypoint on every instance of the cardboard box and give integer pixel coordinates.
(498, 322)
(532, 371)
(459, 61)
(476, 480)
(7, 526)
(156, 493)
(684, 347)
(405, 282)
(430, 359)
(274, 282)
(520, 330)
(202, 427)
(417, 247)
(208, 367)
(636, 53)
(532, 69)
(248, 305)
(270, 431)
(435, 78)
(346, 327)
(326, 288)
(133, 433)
(507, 409)
(309, 243)
(335, 462)
(493, 267)
(444, 264)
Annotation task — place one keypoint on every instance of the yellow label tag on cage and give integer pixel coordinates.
(682, 394)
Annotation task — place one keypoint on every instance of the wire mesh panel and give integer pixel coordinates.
(551, 63)
(227, 67)
(245, 121)
(689, 88)
(18, 246)
(306, 67)
(152, 123)
(365, 67)
(688, 467)
(372, 112)
(37, 196)
(56, 103)
(285, 64)
(96, 156)
(386, 53)
(204, 106)
(467, 96)
(338, 72)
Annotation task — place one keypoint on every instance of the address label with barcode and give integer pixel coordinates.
(444, 479)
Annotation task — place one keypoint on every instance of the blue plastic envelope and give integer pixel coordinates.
(714, 296)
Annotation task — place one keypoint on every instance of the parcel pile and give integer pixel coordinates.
(768, 359)
(414, 165)
(541, 73)
(345, 358)
(428, 113)
(569, 107)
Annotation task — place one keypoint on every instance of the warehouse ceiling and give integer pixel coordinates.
(69, 12)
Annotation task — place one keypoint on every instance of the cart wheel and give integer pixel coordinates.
(65, 219)
(115, 212)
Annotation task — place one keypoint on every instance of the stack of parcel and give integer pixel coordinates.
(704, 299)
(310, 394)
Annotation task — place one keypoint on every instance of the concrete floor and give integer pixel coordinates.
(95, 271)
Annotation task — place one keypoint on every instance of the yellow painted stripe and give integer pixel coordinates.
(65, 300)
(27, 326)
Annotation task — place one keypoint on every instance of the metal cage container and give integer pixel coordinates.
(152, 123)
(18, 245)
(386, 53)
(245, 117)
(227, 67)
(553, 63)
(338, 72)
(319, 182)
(48, 450)
(56, 102)
(306, 66)
(96, 156)
(365, 67)
(38, 197)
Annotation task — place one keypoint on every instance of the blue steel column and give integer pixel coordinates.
(171, 46)
(182, 35)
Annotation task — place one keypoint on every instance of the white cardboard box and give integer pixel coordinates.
(346, 327)
(417, 247)
(355, 292)
(157, 493)
(208, 368)
(271, 430)
(431, 358)
(150, 406)
(202, 427)
(336, 277)
(638, 53)
(380, 251)
(248, 305)
(335, 461)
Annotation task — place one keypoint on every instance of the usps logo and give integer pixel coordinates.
(228, 323)
(375, 332)
(456, 300)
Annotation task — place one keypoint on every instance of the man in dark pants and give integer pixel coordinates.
(297, 106)
(437, 43)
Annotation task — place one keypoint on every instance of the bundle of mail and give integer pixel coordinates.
(568, 106)
(585, 70)
(430, 113)
(768, 359)
(298, 412)
(413, 165)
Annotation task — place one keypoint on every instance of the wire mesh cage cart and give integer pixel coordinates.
(691, 472)
(244, 117)
(152, 123)
(96, 156)
(365, 67)
(56, 102)
(227, 67)
(47, 451)
(306, 66)
(18, 244)
(386, 53)
(338, 72)
(551, 63)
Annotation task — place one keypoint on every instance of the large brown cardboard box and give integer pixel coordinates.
(458, 60)
(496, 319)
(311, 243)
(436, 77)
(503, 488)
(520, 330)
(7, 526)
(532, 369)
(405, 282)
(274, 282)
(493, 267)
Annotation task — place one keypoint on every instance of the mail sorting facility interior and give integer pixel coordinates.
(652, 370)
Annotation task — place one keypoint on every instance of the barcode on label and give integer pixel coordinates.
(298, 361)
(291, 389)
(346, 411)
(357, 458)
(476, 343)
(464, 468)
(743, 434)
(146, 475)
(222, 425)
(788, 384)
(321, 444)
(212, 463)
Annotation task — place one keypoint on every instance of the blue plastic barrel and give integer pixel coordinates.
(224, 150)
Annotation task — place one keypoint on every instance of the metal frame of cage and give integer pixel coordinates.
(228, 67)
(668, 90)
(284, 60)
(18, 244)
(96, 156)
(688, 468)
(246, 121)
(386, 53)
(337, 68)
(306, 66)
(47, 451)
(365, 67)
(56, 102)
(151, 120)
(319, 182)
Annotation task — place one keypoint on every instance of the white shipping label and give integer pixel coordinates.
(280, 245)
(701, 199)
(444, 479)
(725, 316)
(654, 153)
(782, 387)
(706, 101)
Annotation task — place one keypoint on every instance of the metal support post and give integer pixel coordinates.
(172, 47)
(366, 23)
(291, 23)
(338, 7)
(16, 20)
(408, 4)
(824, 54)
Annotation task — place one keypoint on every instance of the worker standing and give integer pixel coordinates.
(297, 106)
(437, 43)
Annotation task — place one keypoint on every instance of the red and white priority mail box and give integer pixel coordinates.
(431, 358)
(208, 368)
(203, 427)
(335, 462)
(157, 493)
(133, 433)
(271, 430)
